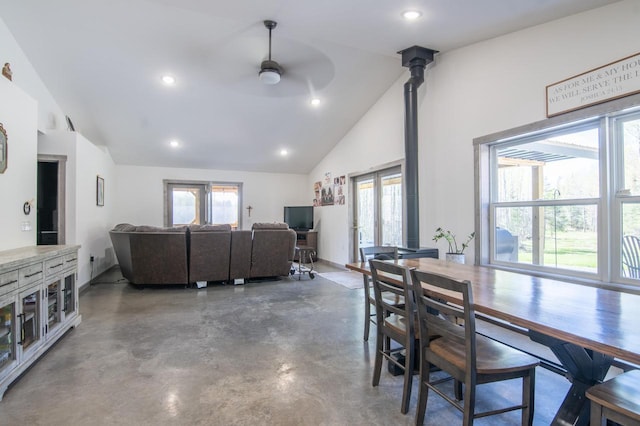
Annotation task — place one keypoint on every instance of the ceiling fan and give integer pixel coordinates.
(270, 71)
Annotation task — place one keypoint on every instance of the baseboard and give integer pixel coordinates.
(335, 265)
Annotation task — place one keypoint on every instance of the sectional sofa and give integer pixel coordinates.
(188, 254)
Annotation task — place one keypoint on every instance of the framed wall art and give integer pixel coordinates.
(100, 191)
(3, 149)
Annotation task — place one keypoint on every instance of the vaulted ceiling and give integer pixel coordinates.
(103, 61)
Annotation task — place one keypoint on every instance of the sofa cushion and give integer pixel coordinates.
(210, 228)
(271, 225)
(147, 228)
(124, 227)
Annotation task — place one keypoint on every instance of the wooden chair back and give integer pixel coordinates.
(383, 276)
(437, 317)
(380, 252)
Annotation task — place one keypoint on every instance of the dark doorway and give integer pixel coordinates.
(50, 215)
(47, 203)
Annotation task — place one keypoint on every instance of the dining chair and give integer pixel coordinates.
(374, 252)
(617, 400)
(394, 322)
(461, 353)
(631, 256)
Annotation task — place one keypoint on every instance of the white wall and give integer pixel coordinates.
(140, 200)
(87, 223)
(470, 92)
(22, 116)
(50, 116)
(378, 138)
(18, 115)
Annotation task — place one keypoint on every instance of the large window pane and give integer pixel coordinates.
(562, 236)
(186, 206)
(366, 212)
(630, 255)
(564, 166)
(224, 205)
(391, 210)
(630, 133)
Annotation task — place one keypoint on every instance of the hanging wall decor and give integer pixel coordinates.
(100, 191)
(329, 191)
(6, 71)
(3, 149)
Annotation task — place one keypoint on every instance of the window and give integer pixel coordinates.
(225, 203)
(560, 199)
(201, 203)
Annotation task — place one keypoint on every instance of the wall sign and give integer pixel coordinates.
(615, 80)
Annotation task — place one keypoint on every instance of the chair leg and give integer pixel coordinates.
(423, 392)
(469, 404)
(457, 390)
(596, 414)
(528, 397)
(367, 318)
(408, 375)
(377, 368)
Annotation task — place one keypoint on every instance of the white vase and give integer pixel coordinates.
(455, 257)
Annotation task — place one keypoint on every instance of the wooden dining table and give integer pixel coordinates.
(585, 327)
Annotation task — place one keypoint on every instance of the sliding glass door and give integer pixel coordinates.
(378, 209)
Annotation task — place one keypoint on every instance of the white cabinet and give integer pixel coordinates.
(29, 320)
(38, 304)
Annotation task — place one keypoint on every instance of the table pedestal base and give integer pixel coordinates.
(585, 368)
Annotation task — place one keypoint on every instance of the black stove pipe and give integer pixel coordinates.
(416, 59)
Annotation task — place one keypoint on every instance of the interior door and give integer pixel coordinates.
(378, 215)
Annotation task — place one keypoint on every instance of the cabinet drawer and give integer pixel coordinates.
(71, 261)
(53, 266)
(30, 274)
(8, 282)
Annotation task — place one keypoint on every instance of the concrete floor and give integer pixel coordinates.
(284, 352)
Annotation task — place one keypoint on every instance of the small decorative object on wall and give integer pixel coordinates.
(26, 207)
(249, 208)
(70, 124)
(6, 71)
(3, 149)
(611, 81)
(100, 191)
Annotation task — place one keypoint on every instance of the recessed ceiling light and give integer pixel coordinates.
(411, 15)
(315, 101)
(174, 144)
(284, 152)
(169, 80)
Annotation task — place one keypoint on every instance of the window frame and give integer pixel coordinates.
(205, 202)
(609, 219)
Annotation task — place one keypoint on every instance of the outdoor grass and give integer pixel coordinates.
(575, 250)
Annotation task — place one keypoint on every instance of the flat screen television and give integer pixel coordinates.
(299, 218)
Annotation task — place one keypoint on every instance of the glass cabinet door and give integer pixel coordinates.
(69, 295)
(54, 304)
(7, 338)
(30, 331)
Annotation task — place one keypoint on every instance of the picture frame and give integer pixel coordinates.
(3, 149)
(99, 191)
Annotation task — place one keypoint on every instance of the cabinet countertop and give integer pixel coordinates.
(10, 259)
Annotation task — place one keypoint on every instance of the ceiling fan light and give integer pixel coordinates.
(269, 76)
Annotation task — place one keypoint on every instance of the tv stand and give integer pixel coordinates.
(308, 239)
